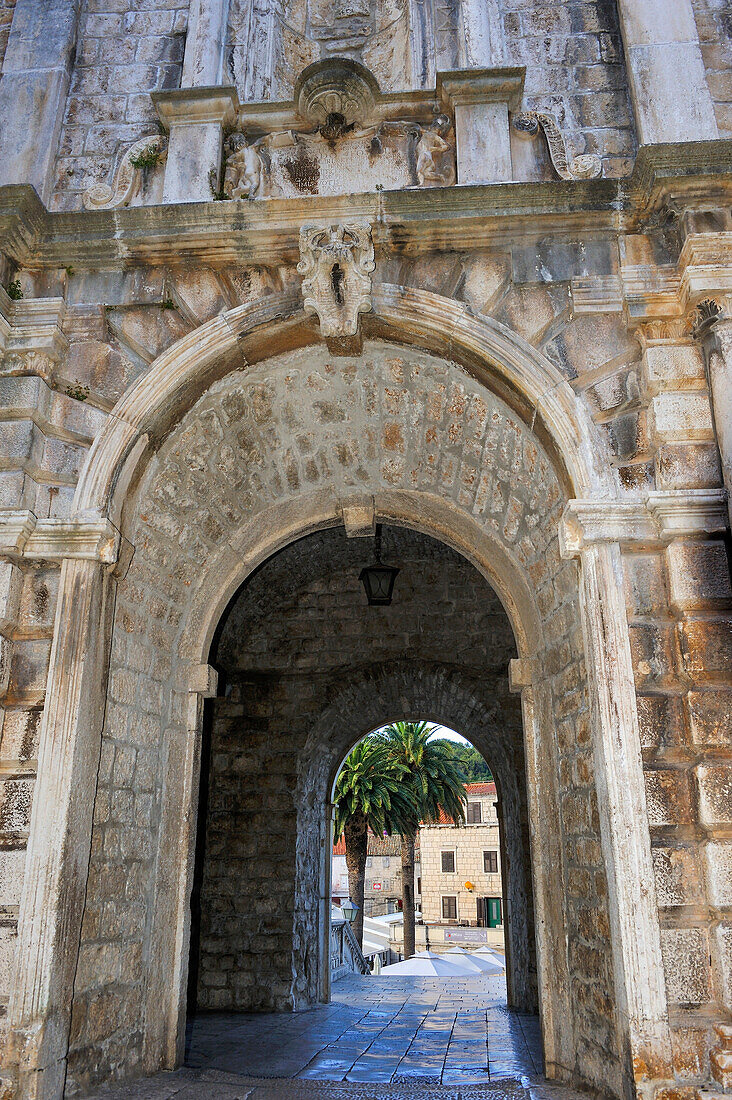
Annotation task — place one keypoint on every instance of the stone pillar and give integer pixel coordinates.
(481, 42)
(637, 961)
(715, 333)
(195, 118)
(666, 74)
(480, 100)
(167, 1000)
(204, 57)
(542, 769)
(33, 89)
(57, 866)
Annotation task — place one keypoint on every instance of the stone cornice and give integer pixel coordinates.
(412, 220)
(23, 535)
(657, 519)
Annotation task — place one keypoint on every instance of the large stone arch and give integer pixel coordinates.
(552, 428)
(443, 694)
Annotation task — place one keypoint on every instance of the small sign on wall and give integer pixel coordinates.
(376, 886)
(466, 935)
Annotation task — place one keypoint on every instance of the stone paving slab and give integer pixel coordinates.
(188, 1084)
(379, 1038)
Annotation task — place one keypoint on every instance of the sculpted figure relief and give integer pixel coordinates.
(243, 175)
(432, 166)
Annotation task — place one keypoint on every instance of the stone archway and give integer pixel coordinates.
(194, 541)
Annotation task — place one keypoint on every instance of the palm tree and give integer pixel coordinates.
(370, 793)
(437, 784)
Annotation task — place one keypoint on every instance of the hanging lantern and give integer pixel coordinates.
(378, 580)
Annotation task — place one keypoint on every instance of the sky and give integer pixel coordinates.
(449, 735)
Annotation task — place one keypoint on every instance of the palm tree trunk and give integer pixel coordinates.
(356, 836)
(408, 894)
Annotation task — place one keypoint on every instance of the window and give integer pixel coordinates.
(449, 908)
(474, 815)
(385, 861)
(448, 863)
(419, 885)
(369, 861)
(490, 863)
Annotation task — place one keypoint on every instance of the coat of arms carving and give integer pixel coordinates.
(336, 262)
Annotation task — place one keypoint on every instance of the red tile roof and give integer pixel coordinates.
(480, 788)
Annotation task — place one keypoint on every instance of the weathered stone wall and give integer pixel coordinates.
(300, 628)
(714, 27)
(124, 51)
(575, 70)
(394, 404)
(6, 18)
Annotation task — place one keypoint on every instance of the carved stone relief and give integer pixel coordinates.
(131, 176)
(336, 264)
(338, 158)
(585, 167)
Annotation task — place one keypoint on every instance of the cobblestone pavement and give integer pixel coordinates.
(379, 1039)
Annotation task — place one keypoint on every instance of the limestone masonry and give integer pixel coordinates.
(274, 274)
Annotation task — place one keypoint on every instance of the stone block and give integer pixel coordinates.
(690, 1051)
(20, 733)
(661, 721)
(655, 653)
(8, 948)
(645, 588)
(670, 93)
(686, 965)
(678, 876)
(715, 794)
(12, 868)
(718, 858)
(668, 797)
(11, 581)
(723, 937)
(710, 717)
(673, 367)
(675, 416)
(706, 647)
(699, 575)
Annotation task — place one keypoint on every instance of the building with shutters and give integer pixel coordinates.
(461, 865)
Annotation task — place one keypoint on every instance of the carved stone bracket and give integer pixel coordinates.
(22, 535)
(336, 264)
(660, 518)
(145, 154)
(585, 167)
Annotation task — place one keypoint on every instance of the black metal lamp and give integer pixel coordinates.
(378, 580)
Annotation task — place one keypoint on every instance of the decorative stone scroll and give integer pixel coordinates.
(585, 167)
(336, 264)
(129, 175)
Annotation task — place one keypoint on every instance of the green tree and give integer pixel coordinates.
(470, 761)
(436, 783)
(370, 793)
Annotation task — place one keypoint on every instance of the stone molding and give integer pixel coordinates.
(434, 218)
(203, 680)
(34, 325)
(359, 517)
(660, 517)
(193, 363)
(522, 672)
(468, 87)
(23, 535)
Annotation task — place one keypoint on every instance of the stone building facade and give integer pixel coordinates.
(460, 865)
(383, 881)
(274, 274)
